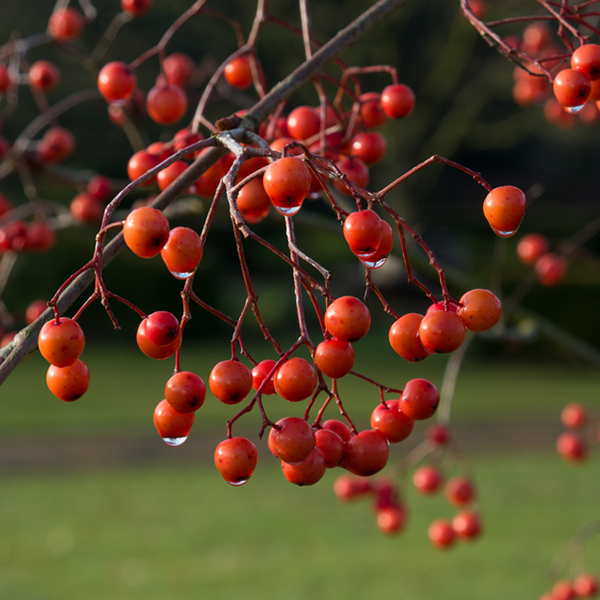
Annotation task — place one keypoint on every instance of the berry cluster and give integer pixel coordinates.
(584, 585)
(572, 445)
(550, 267)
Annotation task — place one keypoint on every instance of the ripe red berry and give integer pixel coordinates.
(172, 426)
(347, 488)
(442, 331)
(185, 391)
(146, 231)
(367, 453)
(377, 259)
(178, 68)
(308, 472)
(563, 590)
(44, 75)
(371, 111)
(182, 252)
(66, 24)
(331, 445)
(467, 524)
(335, 357)
(504, 208)
(293, 441)
(136, 8)
(100, 188)
(428, 479)
(61, 342)
(236, 459)
(551, 269)
(479, 310)
(253, 202)
(391, 421)
(86, 209)
(572, 88)
(303, 123)
(363, 232)
(531, 247)
(586, 59)
(438, 434)
(574, 416)
(347, 318)
(68, 383)
(585, 585)
(404, 338)
(287, 182)
(56, 145)
(162, 328)
(397, 100)
(355, 170)
(441, 534)
(238, 72)
(572, 447)
(141, 162)
(460, 491)
(116, 82)
(230, 381)
(166, 104)
(152, 350)
(369, 146)
(295, 379)
(260, 372)
(339, 427)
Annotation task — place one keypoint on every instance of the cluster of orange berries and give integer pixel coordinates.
(585, 585)
(550, 267)
(571, 445)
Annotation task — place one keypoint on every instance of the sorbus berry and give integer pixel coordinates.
(61, 341)
(586, 59)
(367, 453)
(563, 590)
(308, 472)
(185, 391)
(338, 427)
(347, 318)
(146, 231)
(428, 479)
(44, 75)
(391, 421)
(551, 269)
(535, 37)
(574, 416)
(397, 100)
(206, 185)
(479, 310)
(404, 338)
(467, 524)
(68, 383)
(86, 209)
(182, 252)
(236, 459)
(572, 89)
(172, 426)
(168, 175)
(293, 440)
(238, 72)
(116, 82)
(178, 68)
(391, 519)
(56, 145)
(331, 445)
(260, 372)
(460, 491)
(369, 146)
(441, 534)
(166, 104)
(303, 123)
(152, 350)
(355, 171)
(100, 188)
(66, 24)
(442, 331)
(504, 208)
(349, 488)
(438, 434)
(377, 259)
(371, 111)
(531, 247)
(363, 232)
(295, 379)
(162, 328)
(287, 182)
(230, 381)
(136, 8)
(141, 162)
(253, 202)
(419, 399)
(335, 357)
(585, 585)
(572, 447)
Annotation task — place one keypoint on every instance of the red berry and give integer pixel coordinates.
(467, 524)
(185, 391)
(236, 459)
(551, 269)
(363, 232)
(479, 310)
(574, 416)
(438, 434)
(347, 488)
(61, 342)
(404, 338)
(44, 75)
(335, 357)
(172, 426)
(238, 72)
(377, 259)
(355, 170)
(441, 534)
(178, 68)
(260, 372)
(56, 145)
(152, 350)
(303, 123)
(166, 104)
(369, 146)
(4, 79)
(371, 111)
(347, 318)
(182, 252)
(66, 24)
(331, 445)
(86, 209)
(253, 202)
(572, 89)
(136, 8)
(116, 82)
(428, 479)
(230, 381)
(100, 188)
(308, 472)
(338, 427)
(146, 231)
(39, 237)
(442, 331)
(563, 590)
(287, 182)
(391, 421)
(68, 383)
(162, 328)
(367, 453)
(460, 491)
(35, 310)
(586, 585)
(140, 163)
(397, 100)
(531, 247)
(504, 208)
(391, 519)
(586, 59)
(572, 447)
(295, 379)
(293, 441)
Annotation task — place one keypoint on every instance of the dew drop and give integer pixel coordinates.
(504, 234)
(572, 110)
(237, 483)
(288, 211)
(374, 264)
(182, 275)
(175, 441)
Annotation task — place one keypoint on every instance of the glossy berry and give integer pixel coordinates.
(442, 331)
(235, 459)
(116, 82)
(140, 163)
(339, 427)
(391, 519)
(371, 111)
(391, 421)
(44, 75)
(531, 247)
(230, 381)
(551, 269)
(367, 453)
(253, 202)
(185, 391)
(397, 100)
(61, 342)
(571, 88)
(586, 59)
(68, 383)
(572, 447)
(363, 232)
(369, 146)
(378, 258)
(467, 524)
(574, 415)
(504, 208)
(441, 534)
(295, 379)
(238, 72)
(331, 445)
(182, 252)
(428, 479)
(303, 123)
(146, 231)
(287, 182)
(260, 373)
(293, 440)
(136, 8)
(419, 399)
(586, 585)
(172, 426)
(404, 338)
(178, 68)
(355, 170)
(153, 350)
(334, 357)
(347, 318)
(479, 310)
(168, 175)
(166, 104)
(162, 328)
(308, 472)
(66, 24)
(460, 491)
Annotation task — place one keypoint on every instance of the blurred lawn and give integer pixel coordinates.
(183, 533)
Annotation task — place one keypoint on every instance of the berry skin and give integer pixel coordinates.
(230, 381)
(391, 421)
(347, 318)
(355, 170)
(377, 259)
(166, 104)
(367, 453)
(585, 585)
(85, 209)
(334, 357)
(331, 445)
(295, 379)
(338, 427)
(586, 59)
(563, 590)
(391, 519)
(238, 72)
(152, 350)
(371, 111)
(68, 383)
(460, 491)
(62, 342)
(504, 208)
(308, 472)
(182, 252)
(551, 269)
(574, 416)
(235, 459)
(66, 24)
(404, 338)
(178, 68)
(438, 434)
(571, 88)
(369, 146)
(303, 123)
(363, 232)
(162, 328)
(442, 331)
(116, 82)
(479, 310)
(572, 447)
(441, 534)
(467, 525)
(260, 372)
(531, 247)
(172, 426)
(136, 8)
(140, 163)
(146, 231)
(287, 182)
(185, 391)
(428, 479)
(44, 76)
(397, 100)
(253, 202)
(56, 145)
(293, 441)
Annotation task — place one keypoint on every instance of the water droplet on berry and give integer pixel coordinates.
(175, 441)
(572, 110)
(181, 275)
(504, 234)
(288, 212)
(374, 264)
(237, 483)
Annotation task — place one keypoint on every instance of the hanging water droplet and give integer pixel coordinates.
(504, 234)
(374, 264)
(572, 110)
(175, 441)
(238, 482)
(288, 211)
(181, 275)
(314, 195)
